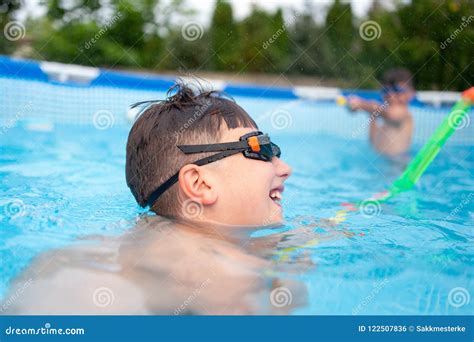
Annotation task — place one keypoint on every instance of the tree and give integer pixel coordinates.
(438, 61)
(306, 45)
(257, 44)
(7, 10)
(280, 48)
(432, 38)
(338, 35)
(224, 38)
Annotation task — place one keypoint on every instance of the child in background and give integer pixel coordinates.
(392, 135)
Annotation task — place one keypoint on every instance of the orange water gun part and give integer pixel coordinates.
(468, 94)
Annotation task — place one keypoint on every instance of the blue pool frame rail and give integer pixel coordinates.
(32, 70)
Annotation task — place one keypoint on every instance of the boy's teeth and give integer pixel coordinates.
(275, 195)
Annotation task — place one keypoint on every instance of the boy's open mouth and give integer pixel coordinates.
(276, 194)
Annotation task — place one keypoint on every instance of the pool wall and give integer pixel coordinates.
(42, 94)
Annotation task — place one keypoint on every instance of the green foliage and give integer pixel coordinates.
(224, 38)
(256, 50)
(433, 38)
(338, 36)
(279, 51)
(306, 49)
(185, 55)
(437, 62)
(7, 10)
(127, 28)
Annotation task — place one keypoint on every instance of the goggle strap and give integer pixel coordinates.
(161, 189)
(237, 145)
(251, 141)
(173, 179)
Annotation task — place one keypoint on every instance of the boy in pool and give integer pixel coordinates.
(199, 160)
(200, 157)
(393, 135)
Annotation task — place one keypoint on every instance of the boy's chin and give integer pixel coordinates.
(273, 220)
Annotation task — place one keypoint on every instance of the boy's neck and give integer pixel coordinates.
(216, 230)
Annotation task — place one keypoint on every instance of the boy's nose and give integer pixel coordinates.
(282, 169)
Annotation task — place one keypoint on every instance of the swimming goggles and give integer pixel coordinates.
(254, 145)
(393, 88)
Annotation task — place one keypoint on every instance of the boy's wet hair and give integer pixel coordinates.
(398, 75)
(189, 115)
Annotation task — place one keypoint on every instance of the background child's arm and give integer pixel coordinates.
(393, 113)
(356, 103)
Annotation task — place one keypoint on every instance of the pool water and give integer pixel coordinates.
(412, 255)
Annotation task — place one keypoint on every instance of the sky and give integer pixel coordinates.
(241, 8)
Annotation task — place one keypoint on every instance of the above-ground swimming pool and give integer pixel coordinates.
(62, 159)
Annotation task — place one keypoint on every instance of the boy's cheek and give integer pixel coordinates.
(245, 189)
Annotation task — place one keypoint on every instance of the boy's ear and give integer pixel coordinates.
(198, 184)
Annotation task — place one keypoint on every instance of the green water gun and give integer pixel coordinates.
(430, 150)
